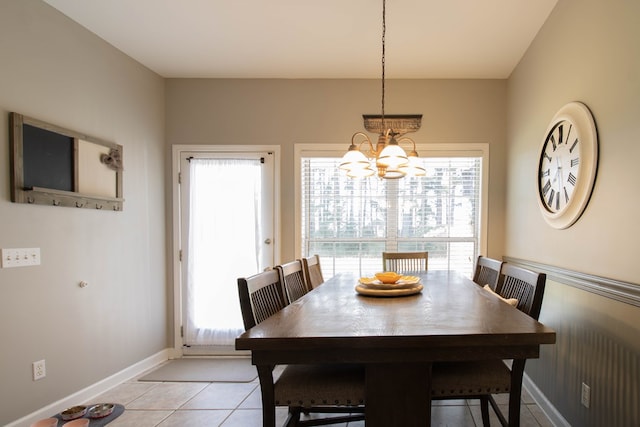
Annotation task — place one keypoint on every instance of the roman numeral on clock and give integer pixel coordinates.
(560, 131)
(572, 179)
(575, 162)
(573, 145)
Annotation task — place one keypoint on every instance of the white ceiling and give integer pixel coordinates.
(316, 39)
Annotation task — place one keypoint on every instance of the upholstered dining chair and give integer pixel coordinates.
(487, 271)
(312, 271)
(482, 379)
(330, 388)
(292, 277)
(405, 261)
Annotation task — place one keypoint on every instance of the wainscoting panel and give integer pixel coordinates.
(598, 330)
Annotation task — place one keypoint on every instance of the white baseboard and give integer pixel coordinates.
(90, 392)
(543, 403)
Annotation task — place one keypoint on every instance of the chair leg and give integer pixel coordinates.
(496, 409)
(293, 418)
(484, 408)
(517, 370)
(265, 374)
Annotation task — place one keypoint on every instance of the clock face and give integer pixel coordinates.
(567, 165)
(559, 166)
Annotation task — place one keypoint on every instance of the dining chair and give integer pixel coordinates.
(487, 271)
(292, 277)
(304, 389)
(482, 379)
(261, 296)
(405, 261)
(312, 271)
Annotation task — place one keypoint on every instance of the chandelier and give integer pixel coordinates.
(387, 157)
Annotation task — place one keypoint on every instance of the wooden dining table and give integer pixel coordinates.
(396, 338)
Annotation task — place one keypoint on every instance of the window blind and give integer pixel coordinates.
(350, 222)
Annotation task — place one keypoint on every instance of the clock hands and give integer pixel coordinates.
(559, 172)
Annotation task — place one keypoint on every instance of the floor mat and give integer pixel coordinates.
(232, 370)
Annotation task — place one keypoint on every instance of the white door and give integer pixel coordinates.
(226, 232)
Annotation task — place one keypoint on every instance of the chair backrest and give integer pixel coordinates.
(261, 296)
(487, 272)
(525, 285)
(312, 271)
(292, 278)
(405, 261)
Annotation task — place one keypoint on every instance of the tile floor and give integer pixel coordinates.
(171, 404)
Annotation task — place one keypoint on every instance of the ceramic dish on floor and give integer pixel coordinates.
(100, 410)
(73, 412)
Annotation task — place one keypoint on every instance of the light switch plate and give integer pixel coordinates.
(21, 257)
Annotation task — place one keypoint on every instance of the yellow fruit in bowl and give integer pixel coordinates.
(388, 277)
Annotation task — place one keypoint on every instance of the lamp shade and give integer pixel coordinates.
(391, 173)
(392, 156)
(354, 159)
(360, 172)
(413, 168)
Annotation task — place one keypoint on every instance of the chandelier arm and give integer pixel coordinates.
(413, 143)
(365, 140)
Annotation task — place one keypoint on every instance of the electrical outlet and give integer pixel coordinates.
(20, 257)
(586, 396)
(39, 370)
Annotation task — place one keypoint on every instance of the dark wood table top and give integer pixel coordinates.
(451, 311)
(396, 338)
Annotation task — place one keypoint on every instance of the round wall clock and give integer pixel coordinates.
(567, 165)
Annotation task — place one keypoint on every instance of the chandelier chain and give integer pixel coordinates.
(384, 30)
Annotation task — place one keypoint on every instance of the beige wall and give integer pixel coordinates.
(285, 112)
(54, 70)
(587, 51)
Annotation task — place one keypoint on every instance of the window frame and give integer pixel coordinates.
(473, 149)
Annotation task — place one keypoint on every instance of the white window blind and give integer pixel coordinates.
(349, 223)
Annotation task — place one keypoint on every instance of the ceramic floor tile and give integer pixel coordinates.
(448, 402)
(503, 399)
(316, 416)
(252, 418)
(167, 396)
(540, 416)
(356, 424)
(452, 416)
(526, 397)
(221, 396)
(253, 401)
(244, 418)
(125, 393)
(150, 404)
(526, 417)
(197, 418)
(133, 418)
